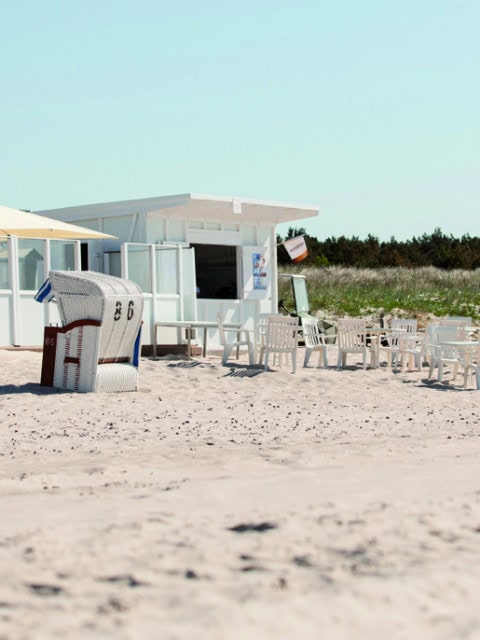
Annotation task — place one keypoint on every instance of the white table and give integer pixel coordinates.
(188, 325)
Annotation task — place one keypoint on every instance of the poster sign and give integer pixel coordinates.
(259, 271)
(256, 272)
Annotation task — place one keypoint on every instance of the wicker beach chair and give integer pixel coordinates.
(97, 347)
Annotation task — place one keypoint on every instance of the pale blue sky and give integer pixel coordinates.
(368, 108)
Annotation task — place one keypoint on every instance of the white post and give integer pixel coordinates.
(274, 281)
(153, 285)
(46, 268)
(180, 281)
(123, 260)
(14, 286)
(77, 256)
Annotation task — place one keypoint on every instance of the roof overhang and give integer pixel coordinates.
(192, 206)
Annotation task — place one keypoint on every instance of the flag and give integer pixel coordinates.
(45, 293)
(296, 248)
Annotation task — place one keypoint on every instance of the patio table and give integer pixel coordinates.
(189, 325)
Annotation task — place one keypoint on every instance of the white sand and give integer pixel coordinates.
(356, 498)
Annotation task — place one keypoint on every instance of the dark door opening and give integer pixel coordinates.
(216, 271)
(84, 256)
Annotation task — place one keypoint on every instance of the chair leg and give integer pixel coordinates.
(325, 356)
(339, 359)
(227, 350)
(294, 360)
(394, 357)
(266, 359)
(418, 361)
(440, 371)
(261, 355)
(308, 353)
(251, 355)
(477, 376)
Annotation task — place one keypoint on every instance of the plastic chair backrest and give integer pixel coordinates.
(311, 333)
(465, 319)
(447, 333)
(352, 333)
(282, 333)
(407, 329)
(408, 325)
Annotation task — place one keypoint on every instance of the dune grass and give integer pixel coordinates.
(340, 291)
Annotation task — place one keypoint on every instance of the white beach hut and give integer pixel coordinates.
(192, 255)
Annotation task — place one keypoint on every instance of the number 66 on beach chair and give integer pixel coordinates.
(97, 347)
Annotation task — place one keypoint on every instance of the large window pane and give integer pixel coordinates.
(139, 267)
(3, 264)
(114, 263)
(166, 270)
(62, 255)
(30, 264)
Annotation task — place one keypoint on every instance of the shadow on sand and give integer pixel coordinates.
(29, 387)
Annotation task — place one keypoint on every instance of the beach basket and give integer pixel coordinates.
(97, 346)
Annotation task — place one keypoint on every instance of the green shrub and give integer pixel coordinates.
(339, 291)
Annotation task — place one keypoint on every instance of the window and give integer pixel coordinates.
(216, 271)
(62, 255)
(138, 259)
(30, 264)
(4, 259)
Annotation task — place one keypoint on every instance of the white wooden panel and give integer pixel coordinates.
(209, 236)
(31, 321)
(6, 314)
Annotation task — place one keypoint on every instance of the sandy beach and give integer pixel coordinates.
(228, 502)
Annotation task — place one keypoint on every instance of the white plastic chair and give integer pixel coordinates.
(259, 334)
(425, 346)
(472, 367)
(443, 354)
(314, 341)
(229, 345)
(281, 337)
(352, 338)
(402, 342)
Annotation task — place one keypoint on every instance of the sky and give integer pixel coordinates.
(368, 109)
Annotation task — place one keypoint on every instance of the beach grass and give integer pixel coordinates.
(345, 291)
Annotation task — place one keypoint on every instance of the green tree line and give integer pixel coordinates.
(435, 249)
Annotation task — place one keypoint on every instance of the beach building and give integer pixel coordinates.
(192, 255)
